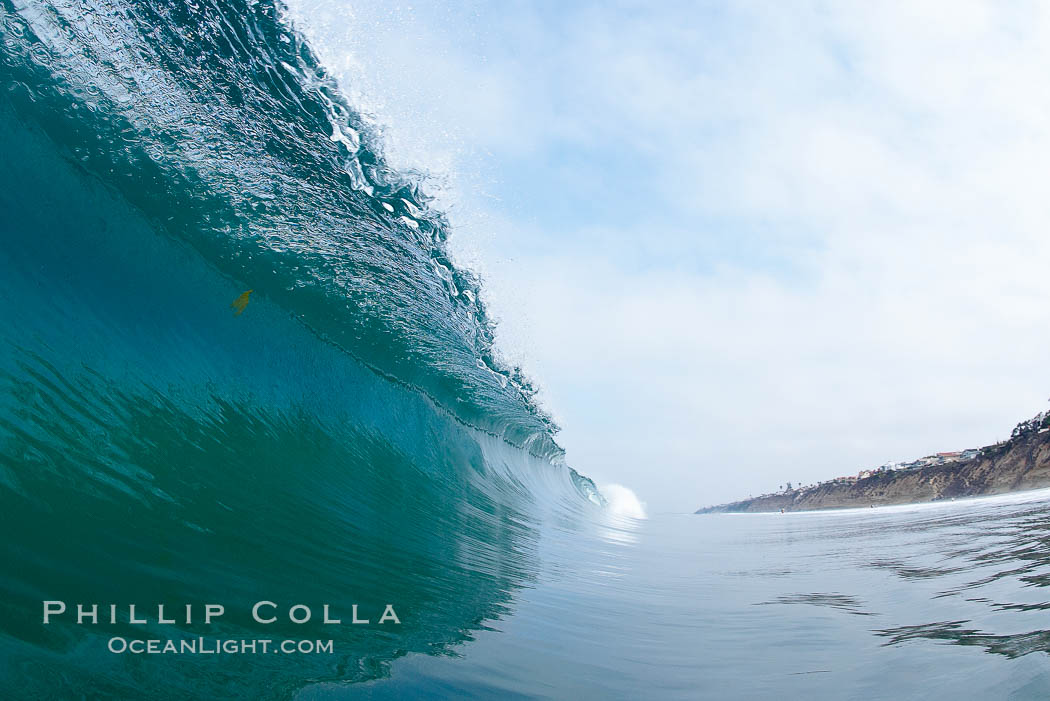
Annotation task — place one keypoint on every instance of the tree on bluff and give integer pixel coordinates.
(1032, 425)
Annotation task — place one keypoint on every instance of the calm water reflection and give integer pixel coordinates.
(900, 602)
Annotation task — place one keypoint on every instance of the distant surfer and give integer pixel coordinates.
(241, 302)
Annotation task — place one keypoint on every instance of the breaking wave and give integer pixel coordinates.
(346, 435)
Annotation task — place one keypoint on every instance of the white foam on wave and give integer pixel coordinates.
(623, 501)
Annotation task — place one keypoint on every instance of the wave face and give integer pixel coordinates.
(351, 438)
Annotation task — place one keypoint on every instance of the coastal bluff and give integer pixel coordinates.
(1019, 464)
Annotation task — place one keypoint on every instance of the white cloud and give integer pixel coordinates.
(778, 242)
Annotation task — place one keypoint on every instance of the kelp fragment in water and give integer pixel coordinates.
(241, 302)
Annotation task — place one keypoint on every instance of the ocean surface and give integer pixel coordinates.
(350, 436)
(933, 601)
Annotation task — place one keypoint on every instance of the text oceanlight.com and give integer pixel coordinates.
(217, 646)
(263, 613)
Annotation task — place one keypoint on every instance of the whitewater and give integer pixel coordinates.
(346, 438)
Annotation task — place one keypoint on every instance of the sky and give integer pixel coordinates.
(737, 244)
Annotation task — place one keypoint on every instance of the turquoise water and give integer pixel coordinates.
(353, 438)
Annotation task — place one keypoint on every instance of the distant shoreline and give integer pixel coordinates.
(1017, 465)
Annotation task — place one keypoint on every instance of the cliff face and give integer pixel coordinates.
(1021, 463)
